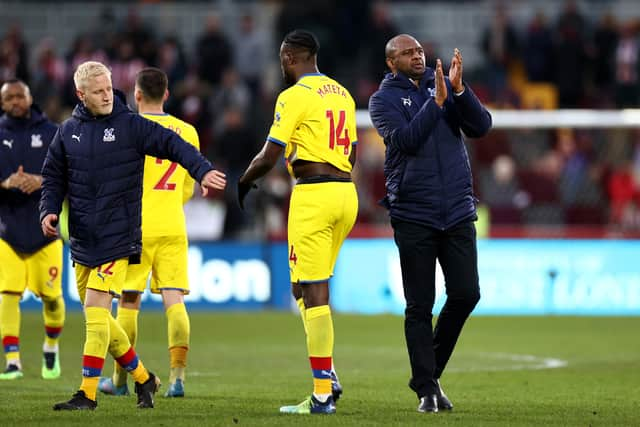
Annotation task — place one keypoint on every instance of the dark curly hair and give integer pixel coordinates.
(302, 40)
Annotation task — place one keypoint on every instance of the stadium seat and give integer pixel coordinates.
(539, 96)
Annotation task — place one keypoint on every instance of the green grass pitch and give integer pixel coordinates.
(506, 371)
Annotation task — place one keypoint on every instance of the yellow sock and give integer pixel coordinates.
(140, 373)
(303, 316)
(320, 347)
(95, 348)
(90, 385)
(10, 326)
(179, 331)
(178, 363)
(119, 341)
(128, 320)
(53, 311)
(124, 354)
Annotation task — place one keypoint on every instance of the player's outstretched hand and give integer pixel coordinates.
(214, 180)
(49, 224)
(243, 190)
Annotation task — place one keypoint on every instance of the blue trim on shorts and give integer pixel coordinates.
(131, 291)
(311, 282)
(183, 290)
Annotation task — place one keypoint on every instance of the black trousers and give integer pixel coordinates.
(456, 250)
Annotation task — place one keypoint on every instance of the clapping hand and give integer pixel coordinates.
(455, 71)
(441, 86)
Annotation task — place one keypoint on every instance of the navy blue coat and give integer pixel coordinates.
(426, 168)
(98, 163)
(24, 142)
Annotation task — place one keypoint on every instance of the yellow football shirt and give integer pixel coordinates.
(167, 185)
(315, 120)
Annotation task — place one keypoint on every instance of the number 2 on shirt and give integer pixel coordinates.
(163, 184)
(336, 133)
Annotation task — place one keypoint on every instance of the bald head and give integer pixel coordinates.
(400, 40)
(404, 54)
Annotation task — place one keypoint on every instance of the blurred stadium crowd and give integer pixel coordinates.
(226, 81)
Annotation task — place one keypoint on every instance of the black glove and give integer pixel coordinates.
(243, 190)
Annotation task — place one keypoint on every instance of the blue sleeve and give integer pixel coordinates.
(158, 141)
(54, 178)
(392, 125)
(475, 119)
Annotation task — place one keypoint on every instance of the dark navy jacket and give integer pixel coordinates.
(98, 163)
(24, 142)
(427, 172)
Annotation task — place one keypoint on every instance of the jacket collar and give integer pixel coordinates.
(401, 80)
(119, 106)
(13, 123)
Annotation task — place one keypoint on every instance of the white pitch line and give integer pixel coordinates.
(525, 362)
(531, 363)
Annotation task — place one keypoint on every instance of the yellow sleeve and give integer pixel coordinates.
(285, 118)
(187, 188)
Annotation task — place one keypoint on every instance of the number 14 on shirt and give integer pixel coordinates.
(338, 135)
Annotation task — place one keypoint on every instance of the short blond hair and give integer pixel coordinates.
(88, 70)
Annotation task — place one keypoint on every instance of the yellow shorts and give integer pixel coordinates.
(165, 258)
(108, 277)
(40, 271)
(320, 218)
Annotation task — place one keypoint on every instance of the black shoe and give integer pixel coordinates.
(443, 400)
(146, 391)
(428, 403)
(336, 387)
(77, 401)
